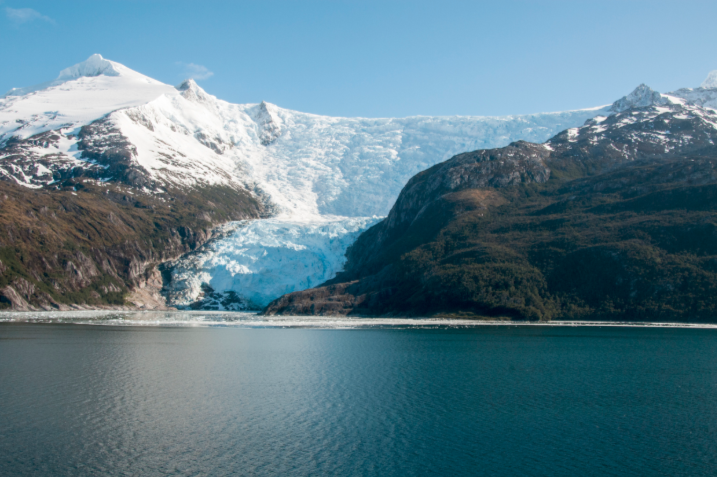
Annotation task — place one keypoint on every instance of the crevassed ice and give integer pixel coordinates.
(264, 259)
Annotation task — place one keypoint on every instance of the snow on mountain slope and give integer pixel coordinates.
(314, 165)
(98, 109)
(309, 165)
(710, 81)
(80, 94)
(705, 95)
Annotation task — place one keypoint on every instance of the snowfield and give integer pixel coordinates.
(328, 178)
(79, 95)
(310, 165)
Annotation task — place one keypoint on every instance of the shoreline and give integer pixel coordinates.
(255, 320)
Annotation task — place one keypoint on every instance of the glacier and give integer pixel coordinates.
(327, 178)
(340, 173)
(256, 261)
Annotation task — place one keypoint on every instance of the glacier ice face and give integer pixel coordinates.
(314, 168)
(264, 259)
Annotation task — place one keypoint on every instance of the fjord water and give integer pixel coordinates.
(490, 400)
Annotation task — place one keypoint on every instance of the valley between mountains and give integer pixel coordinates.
(119, 191)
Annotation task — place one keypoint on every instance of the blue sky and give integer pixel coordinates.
(372, 59)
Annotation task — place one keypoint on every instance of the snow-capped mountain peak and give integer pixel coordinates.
(191, 91)
(95, 65)
(710, 81)
(309, 165)
(187, 85)
(641, 97)
(704, 96)
(81, 94)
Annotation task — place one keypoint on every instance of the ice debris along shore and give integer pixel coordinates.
(221, 319)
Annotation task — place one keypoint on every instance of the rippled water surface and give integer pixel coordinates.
(77, 399)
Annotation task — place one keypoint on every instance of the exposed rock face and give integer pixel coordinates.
(39, 160)
(101, 142)
(518, 163)
(268, 123)
(9, 296)
(101, 152)
(147, 295)
(574, 227)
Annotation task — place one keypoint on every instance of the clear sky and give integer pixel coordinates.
(376, 58)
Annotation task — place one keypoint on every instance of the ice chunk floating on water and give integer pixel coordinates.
(258, 261)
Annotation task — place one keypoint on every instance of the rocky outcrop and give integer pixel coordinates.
(268, 123)
(9, 296)
(519, 163)
(333, 300)
(38, 161)
(103, 143)
(642, 97)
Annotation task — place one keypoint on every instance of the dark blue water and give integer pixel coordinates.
(89, 400)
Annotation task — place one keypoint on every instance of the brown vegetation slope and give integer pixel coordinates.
(91, 244)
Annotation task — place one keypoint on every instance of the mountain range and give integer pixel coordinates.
(120, 191)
